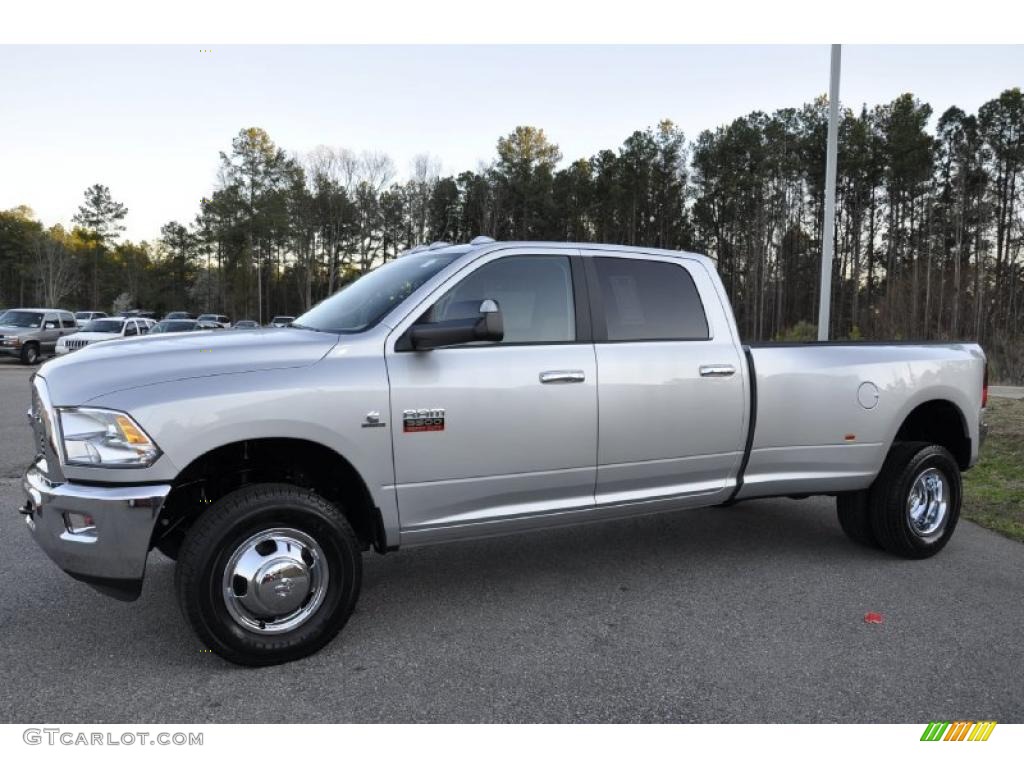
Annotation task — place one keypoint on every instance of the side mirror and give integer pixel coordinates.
(49, 325)
(488, 326)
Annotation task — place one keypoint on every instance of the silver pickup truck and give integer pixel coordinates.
(463, 391)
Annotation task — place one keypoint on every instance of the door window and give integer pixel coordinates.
(649, 301)
(533, 292)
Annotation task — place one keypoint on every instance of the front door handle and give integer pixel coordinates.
(562, 377)
(717, 371)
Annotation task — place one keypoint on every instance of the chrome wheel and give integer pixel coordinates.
(928, 503)
(275, 581)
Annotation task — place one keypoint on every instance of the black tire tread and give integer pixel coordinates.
(24, 353)
(888, 498)
(192, 557)
(854, 512)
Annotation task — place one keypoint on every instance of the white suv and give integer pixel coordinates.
(105, 329)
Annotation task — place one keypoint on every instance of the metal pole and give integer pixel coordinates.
(829, 228)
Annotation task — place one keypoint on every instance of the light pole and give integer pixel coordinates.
(829, 228)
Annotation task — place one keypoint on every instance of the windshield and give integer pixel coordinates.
(23, 319)
(361, 304)
(83, 315)
(177, 316)
(282, 319)
(173, 326)
(106, 325)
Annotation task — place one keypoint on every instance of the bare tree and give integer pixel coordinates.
(55, 268)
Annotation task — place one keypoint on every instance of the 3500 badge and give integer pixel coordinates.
(423, 420)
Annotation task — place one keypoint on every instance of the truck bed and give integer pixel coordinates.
(824, 413)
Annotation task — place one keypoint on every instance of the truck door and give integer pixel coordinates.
(489, 432)
(50, 332)
(672, 406)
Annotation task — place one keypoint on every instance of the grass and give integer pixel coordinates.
(994, 488)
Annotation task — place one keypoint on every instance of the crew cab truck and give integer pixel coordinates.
(463, 391)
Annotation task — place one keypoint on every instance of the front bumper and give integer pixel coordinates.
(112, 558)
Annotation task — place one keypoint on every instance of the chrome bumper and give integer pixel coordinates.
(112, 557)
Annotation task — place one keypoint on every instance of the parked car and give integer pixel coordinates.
(242, 325)
(455, 393)
(222, 320)
(177, 326)
(105, 329)
(281, 321)
(87, 316)
(179, 315)
(28, 334)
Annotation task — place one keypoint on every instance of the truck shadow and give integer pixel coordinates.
(495, 579)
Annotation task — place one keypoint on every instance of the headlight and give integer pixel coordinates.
(101, 438)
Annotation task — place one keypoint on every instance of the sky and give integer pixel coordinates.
(149, 122)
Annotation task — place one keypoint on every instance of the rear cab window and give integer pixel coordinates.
(647, 300)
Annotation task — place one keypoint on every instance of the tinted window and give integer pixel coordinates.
(105, 326)
(68, 321)
(649, 301)
(534, 293)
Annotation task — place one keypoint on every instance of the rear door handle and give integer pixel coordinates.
(562, 377)
(717, 371)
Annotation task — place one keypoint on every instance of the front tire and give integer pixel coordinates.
(30, 354)
(915, 501)
(269, 574)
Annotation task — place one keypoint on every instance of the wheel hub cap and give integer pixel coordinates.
(275, 580)
(928, 503)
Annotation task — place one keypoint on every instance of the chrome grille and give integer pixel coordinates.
(73, 344)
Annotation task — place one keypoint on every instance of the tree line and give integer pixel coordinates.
(928, 233)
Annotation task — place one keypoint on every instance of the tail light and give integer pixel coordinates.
(984, 387)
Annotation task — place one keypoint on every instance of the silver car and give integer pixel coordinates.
(29, 334)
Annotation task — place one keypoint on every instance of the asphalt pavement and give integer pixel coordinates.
(753, 613)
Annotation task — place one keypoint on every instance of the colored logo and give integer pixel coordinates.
(423, 420)
(960, 730)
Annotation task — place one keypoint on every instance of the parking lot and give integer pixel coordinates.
(753, 613)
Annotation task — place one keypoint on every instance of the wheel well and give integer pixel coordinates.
(270, 460)
(942, 423)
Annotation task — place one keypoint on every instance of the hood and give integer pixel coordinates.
(12, 330)
(90, 336)
(112, 366)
